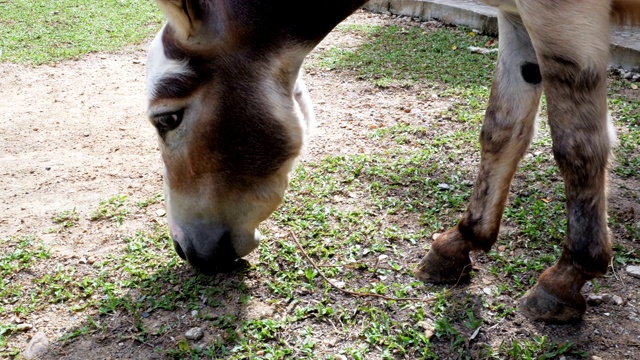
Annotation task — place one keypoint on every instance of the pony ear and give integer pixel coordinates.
(184, 16)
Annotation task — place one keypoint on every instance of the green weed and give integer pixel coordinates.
(115, 209)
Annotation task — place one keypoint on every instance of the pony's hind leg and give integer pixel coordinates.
(571, 40)
(506, 134)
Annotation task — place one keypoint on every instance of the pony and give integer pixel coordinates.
(231, 112)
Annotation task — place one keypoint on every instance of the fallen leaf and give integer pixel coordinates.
(492, 42)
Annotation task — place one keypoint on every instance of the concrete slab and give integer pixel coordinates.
(625, 42)
(625, 48)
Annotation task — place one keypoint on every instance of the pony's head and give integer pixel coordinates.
(231, 113)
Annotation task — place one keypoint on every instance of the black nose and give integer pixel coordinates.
(219, 258)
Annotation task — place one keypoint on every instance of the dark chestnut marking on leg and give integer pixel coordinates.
(568, 73)
(590, 247)
(531, 73)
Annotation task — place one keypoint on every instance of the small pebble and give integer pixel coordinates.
(595, 300)
(194, 334)
(24, 327)
(340, 357)
(429, 330)
(634, 270)
(613, 299)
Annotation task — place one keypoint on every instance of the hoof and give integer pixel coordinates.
(539, 304)
(437, 269)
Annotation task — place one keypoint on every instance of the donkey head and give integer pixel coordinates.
(230, 113)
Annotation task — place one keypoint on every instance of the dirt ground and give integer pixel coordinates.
(76, 133)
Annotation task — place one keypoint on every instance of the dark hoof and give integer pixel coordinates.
(539, 304)
(437, 269)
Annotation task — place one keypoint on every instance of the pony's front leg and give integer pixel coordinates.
(506, 134)
(573, 56)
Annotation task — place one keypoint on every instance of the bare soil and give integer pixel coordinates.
(75, 133)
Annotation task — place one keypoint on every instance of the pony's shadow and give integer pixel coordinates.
(152, 319)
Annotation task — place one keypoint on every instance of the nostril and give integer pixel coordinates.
(179, 250)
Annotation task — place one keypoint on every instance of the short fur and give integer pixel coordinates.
(626, 12)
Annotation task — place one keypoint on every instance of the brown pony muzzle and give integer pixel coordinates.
(209, 249)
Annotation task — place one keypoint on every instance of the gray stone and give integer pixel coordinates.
(24, 327)
(634, 271)
(194, 334)
(595, 299)
(37, 347)
(613, 299)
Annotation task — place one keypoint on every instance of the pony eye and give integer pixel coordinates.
(168, 121)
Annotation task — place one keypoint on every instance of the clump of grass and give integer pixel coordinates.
(115, 208)
(540, 348)
(65, 219)
(20, 253)
(157, 198)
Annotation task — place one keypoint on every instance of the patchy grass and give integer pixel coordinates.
(44, 31)
(405, 56)
(114, 209)
(64, 220)
(437, 60)
(624, 98)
